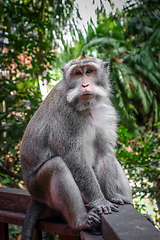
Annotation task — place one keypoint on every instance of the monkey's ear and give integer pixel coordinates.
(106, 64)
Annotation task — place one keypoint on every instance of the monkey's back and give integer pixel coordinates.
(44, 132)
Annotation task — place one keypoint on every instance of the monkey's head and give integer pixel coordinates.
(87, 81)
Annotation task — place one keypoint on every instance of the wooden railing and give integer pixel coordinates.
(127, 224)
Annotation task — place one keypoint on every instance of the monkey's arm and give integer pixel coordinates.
(109, 172)
(113, 180)
(87, 183)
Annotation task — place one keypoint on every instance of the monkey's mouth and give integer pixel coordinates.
(86, 96)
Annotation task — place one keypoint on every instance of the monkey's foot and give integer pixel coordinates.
(91, 221)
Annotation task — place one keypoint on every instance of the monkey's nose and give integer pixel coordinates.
(85, 84)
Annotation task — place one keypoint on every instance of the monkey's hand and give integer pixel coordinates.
(119, 199)
(104, 206)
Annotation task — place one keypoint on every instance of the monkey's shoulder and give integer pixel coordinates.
(52, 104)
(52, 113)
(55, 97)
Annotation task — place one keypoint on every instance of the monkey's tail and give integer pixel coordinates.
(34, 211)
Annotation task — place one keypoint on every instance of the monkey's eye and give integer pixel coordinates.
(89, 70)
(78, 73)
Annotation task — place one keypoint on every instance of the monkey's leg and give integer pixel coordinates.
(55, 186)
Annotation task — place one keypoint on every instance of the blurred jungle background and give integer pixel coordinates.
(37, 37)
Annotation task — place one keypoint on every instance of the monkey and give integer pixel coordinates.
(68, 149)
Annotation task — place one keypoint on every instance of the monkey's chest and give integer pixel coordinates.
(99, 116)
(89, 139)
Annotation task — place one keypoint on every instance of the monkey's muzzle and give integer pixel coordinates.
(86, 96)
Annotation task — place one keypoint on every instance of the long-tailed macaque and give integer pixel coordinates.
(68, 149)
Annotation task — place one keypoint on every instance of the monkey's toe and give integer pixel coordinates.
(94, 220)
(94, 217)
(114, 208)
(90, 221)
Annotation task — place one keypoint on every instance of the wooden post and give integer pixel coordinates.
(128, 224)
(66, 237)
(84, 235)
(3, 231)
(37, 235)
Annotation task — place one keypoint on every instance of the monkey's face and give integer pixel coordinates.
(86, 83)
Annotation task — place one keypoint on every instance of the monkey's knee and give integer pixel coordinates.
(62, 183)
(41, 182)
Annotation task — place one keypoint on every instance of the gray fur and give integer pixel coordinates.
(68, 150)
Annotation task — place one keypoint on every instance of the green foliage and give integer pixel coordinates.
(141, 158)
(50, 236)
(130, 42)
(14, 231)
(26, 57)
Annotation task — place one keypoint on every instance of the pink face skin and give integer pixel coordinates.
(84, 75)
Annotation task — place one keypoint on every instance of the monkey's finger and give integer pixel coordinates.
(94, 210)
(95, 218)
(121, 202)
(115, 205)
(108, 210)
(100, 210)
(89, 224)
(114, 208)
(93, 224)
(94, 215)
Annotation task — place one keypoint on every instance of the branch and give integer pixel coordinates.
(10, 174)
